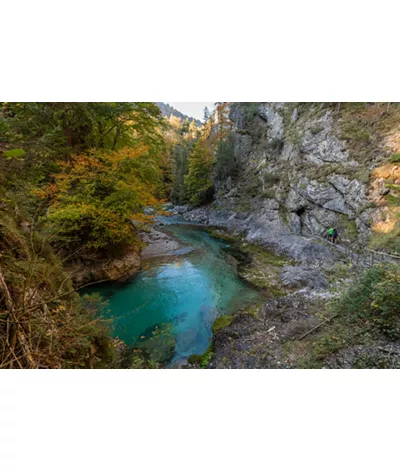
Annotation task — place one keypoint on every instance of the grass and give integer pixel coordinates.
(393, 200)
(389, 241)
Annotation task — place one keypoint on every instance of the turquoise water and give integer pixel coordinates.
(170, 306)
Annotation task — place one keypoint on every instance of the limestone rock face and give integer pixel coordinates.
(353, 191)
(297, 176)
(301, 276)
(273, 119)
(320, 145)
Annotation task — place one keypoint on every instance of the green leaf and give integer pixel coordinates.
(14, 153)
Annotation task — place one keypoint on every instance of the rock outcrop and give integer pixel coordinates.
(299, 174)
(110, 269)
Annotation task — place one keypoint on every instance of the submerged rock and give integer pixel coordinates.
(158, 244)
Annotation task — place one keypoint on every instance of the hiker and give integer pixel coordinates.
(332, 235)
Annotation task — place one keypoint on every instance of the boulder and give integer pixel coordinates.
(303, 276)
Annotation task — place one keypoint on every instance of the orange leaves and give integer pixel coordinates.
(47, 192)
(143, 218)
(95, 197)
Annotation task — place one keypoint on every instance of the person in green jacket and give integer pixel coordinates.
(332, 235)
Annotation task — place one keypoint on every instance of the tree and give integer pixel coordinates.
(224, 124)
(206, 114)
(198, 181)
(94, 198)
(225, 160)
(181, 153)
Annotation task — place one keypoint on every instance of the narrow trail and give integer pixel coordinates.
(366, 257)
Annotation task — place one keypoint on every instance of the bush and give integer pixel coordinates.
(95, 197)
(277, 144)
(56, 328)
(395, 158)
(375, 297)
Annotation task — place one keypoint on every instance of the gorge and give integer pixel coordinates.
(241, 270)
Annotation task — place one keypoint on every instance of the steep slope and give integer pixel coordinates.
(304, 167)
(168, 110)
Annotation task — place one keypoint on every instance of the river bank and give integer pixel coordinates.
(295, 293)
(188, 279)
(299, 326)
(299, 277)
(182, 310)
(259, 336)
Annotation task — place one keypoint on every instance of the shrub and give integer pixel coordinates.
(276, 144)
(395, 158)
(250, 109)
(94, 197)
(270, 179)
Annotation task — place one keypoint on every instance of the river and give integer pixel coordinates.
(168, 309)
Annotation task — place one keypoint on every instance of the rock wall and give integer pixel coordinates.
(302, 168)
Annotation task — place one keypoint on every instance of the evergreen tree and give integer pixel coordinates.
(206, 114)
(225, 159)
(198, 181)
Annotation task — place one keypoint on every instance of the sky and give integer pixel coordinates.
(192, 109)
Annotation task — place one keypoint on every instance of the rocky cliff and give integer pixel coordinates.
(304, 167)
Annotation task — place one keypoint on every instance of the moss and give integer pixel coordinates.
(222, 234)
(254, 310)
(364, 126)
(339, 271)
(265, 255)
(202, 359)
(284, 214)
(363, 175)
(222, 322)
(268, 193)
(263, 271)
(256, 265)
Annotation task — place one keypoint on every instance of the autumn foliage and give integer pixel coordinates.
(94, 197)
